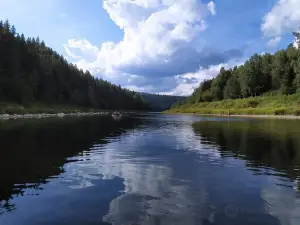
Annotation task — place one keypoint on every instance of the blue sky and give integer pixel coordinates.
(157, 46)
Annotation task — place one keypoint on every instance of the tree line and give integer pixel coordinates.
(271, 74)
(31, 72)
(160, 102)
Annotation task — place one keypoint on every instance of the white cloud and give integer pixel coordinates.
(70, 53)
(212, 8)
(297, 39)
(152, 30)
(84, 48)
(273, 42)
(161, 38)
(185, 88)
(284, 17)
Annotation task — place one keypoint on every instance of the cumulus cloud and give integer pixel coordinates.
(284, 17)
(297, 39)
(181, 84)
(183, 61)
(274, 42)
(81, 49)
(186, 83)
(212, 8)
(162, 39)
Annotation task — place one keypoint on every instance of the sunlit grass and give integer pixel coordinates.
(263, 105)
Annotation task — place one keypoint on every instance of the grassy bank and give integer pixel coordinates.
(263, 105)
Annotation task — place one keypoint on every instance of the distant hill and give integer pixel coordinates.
(160, 102)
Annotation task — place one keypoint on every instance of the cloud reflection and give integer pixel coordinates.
(151, 192)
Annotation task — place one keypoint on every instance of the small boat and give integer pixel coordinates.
(116, 115)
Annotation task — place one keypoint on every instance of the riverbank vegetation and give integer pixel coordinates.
(32, 74)
(261, 105)
(264, 84)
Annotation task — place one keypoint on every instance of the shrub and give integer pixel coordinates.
(281, 111)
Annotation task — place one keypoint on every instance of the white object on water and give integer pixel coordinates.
(297, 39)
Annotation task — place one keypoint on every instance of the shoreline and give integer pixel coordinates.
(48, 115)
(241, 115)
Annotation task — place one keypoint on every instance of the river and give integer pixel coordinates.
(149, 169)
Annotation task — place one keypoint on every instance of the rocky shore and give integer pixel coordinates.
(45, 115)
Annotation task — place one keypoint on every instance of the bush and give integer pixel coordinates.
(253, 103)
(296, 112)
(280, 112)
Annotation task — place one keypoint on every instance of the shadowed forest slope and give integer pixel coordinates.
(31, 72)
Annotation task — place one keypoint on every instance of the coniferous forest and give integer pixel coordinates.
(262, 75)
(159, 102)
(31, 72)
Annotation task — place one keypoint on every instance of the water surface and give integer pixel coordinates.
(149, 169)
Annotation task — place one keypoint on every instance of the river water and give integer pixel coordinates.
(149, 169)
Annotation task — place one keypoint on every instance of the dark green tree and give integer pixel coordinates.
(232, 88)
(218, 84)
(282, 74)
(278, 73)
(32, 72)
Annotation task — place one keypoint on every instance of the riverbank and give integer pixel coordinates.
(47, 115)
(237, 115)
(281, 106)
(38, 111)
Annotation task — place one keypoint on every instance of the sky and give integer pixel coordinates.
(156, 46)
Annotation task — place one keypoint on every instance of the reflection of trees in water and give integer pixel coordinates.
(34, 151)
(8, 191)
(6, 206)
(269, 147)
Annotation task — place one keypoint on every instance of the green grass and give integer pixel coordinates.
(263, 105)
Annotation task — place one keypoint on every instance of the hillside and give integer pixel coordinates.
(160, 102)
(264, 84)
(32, 74)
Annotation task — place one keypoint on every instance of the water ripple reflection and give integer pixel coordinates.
(151, 169)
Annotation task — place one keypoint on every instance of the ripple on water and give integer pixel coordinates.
(171, 170)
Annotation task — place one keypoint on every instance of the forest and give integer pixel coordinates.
(31, 72)
(266, 74)
(159, 102)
